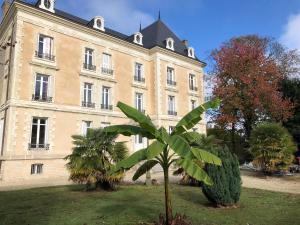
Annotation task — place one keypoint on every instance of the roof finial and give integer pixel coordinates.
(140, 26)
(159, 14)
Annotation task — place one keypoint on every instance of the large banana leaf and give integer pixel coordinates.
(144, 168)
(195, 171)
(128, 130)
(206, 157)
(131, 160)
(192, 137)
(143, 120)
(193, 117)
(179, 145)
(155, 149)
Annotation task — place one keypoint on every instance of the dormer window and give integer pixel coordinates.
(191, 52)
(47, 5)
(138, 38)
(170, 44)
(99, 23)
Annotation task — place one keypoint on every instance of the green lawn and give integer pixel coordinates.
(131, 204)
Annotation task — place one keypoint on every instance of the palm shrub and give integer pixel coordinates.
(272, 147)
(93, 157)
(226, 178)
(166, 149)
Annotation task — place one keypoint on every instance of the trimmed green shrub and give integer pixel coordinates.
(226, 189)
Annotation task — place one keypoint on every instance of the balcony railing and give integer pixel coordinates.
(39, 98)
(172, 113)
(171, 82)
(43, 55)
(106, 70)
(193, 88)
(88, 104)
(35, 146)
(107, 107)
(89, 67)
(139, 79)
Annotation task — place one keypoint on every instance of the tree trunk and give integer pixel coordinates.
(233, 137)
(168, 205)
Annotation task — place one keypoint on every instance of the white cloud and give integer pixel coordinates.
(120, 15)
(291, 36)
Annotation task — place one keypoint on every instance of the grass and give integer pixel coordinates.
(68, 205)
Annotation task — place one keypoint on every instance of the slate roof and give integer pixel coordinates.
(153, 35)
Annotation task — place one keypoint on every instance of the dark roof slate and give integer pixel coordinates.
(153, 35)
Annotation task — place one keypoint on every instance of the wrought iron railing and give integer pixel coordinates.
(43, 55)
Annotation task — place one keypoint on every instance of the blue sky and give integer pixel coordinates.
(204, 23)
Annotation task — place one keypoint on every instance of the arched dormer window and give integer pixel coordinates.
(47, 5)
(191, 52)
(138, 38)
(99, 23)
(170, 44)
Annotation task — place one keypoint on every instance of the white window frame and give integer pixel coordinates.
(89, 56)
(38, 131)
(138, 139)
(106, 95)
(106, 61)
(41, 85)
(139, 71)
(192, 80)
(170, 74)
(36, 169)
(85, 126)
(170, 43)
(87, 87)
(171, 107)
(47, 44)
(139, 101)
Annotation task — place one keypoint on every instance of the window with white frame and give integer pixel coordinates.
(171, 76)
(36, 169)
(139, 102)
(138, 76)
(87, 93)
(171, 105)
(138, 139)
(45, 47)
(191, 52)
(170, 43)
(39, 133)
(42, 88)
(171, 129)
(106, 98)
(138, 38)
(85, 126)
(193, 104)
(192, 82)
(107, 64)
(89, 59)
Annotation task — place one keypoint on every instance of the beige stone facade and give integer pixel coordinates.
(65, 112)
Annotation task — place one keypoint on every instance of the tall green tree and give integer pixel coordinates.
(165, 148)
(93, 157)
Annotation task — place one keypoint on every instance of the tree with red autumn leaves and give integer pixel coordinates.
(249, 71)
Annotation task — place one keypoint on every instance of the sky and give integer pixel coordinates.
(204, 23)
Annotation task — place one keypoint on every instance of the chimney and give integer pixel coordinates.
(185, 42)
(5, 7)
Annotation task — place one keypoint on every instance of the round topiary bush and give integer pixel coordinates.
(226, 190)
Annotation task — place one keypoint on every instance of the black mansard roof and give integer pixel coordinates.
(153, 35)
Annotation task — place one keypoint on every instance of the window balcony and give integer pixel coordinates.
(46, 56)
(171, 82)
(39, 98)
(107, 71)
(172, 113)
(193, 88)
(89, 67)
(139, 79)
(88, 104)
(106, 107)
(34, 146)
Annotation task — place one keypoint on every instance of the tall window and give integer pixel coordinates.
(107, 64)
(192, 82)
(171, 129)
(45, 47)
(87, 95)
(39, 133)
(139, 103)
(138, 139)
(36, 169)
(41, 92)
(106, 98)
(171, 105)
(88, 59)
(85, 126)
(139, 73)
(171, 76)
(193, 104)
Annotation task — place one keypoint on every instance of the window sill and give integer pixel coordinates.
(139, 85)
(103, 77)
(171, 88)
(44, 63)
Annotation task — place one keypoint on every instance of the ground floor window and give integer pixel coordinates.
(39, 134)
(139, 139)
(36, 168)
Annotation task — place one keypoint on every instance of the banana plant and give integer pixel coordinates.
(166, 149)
